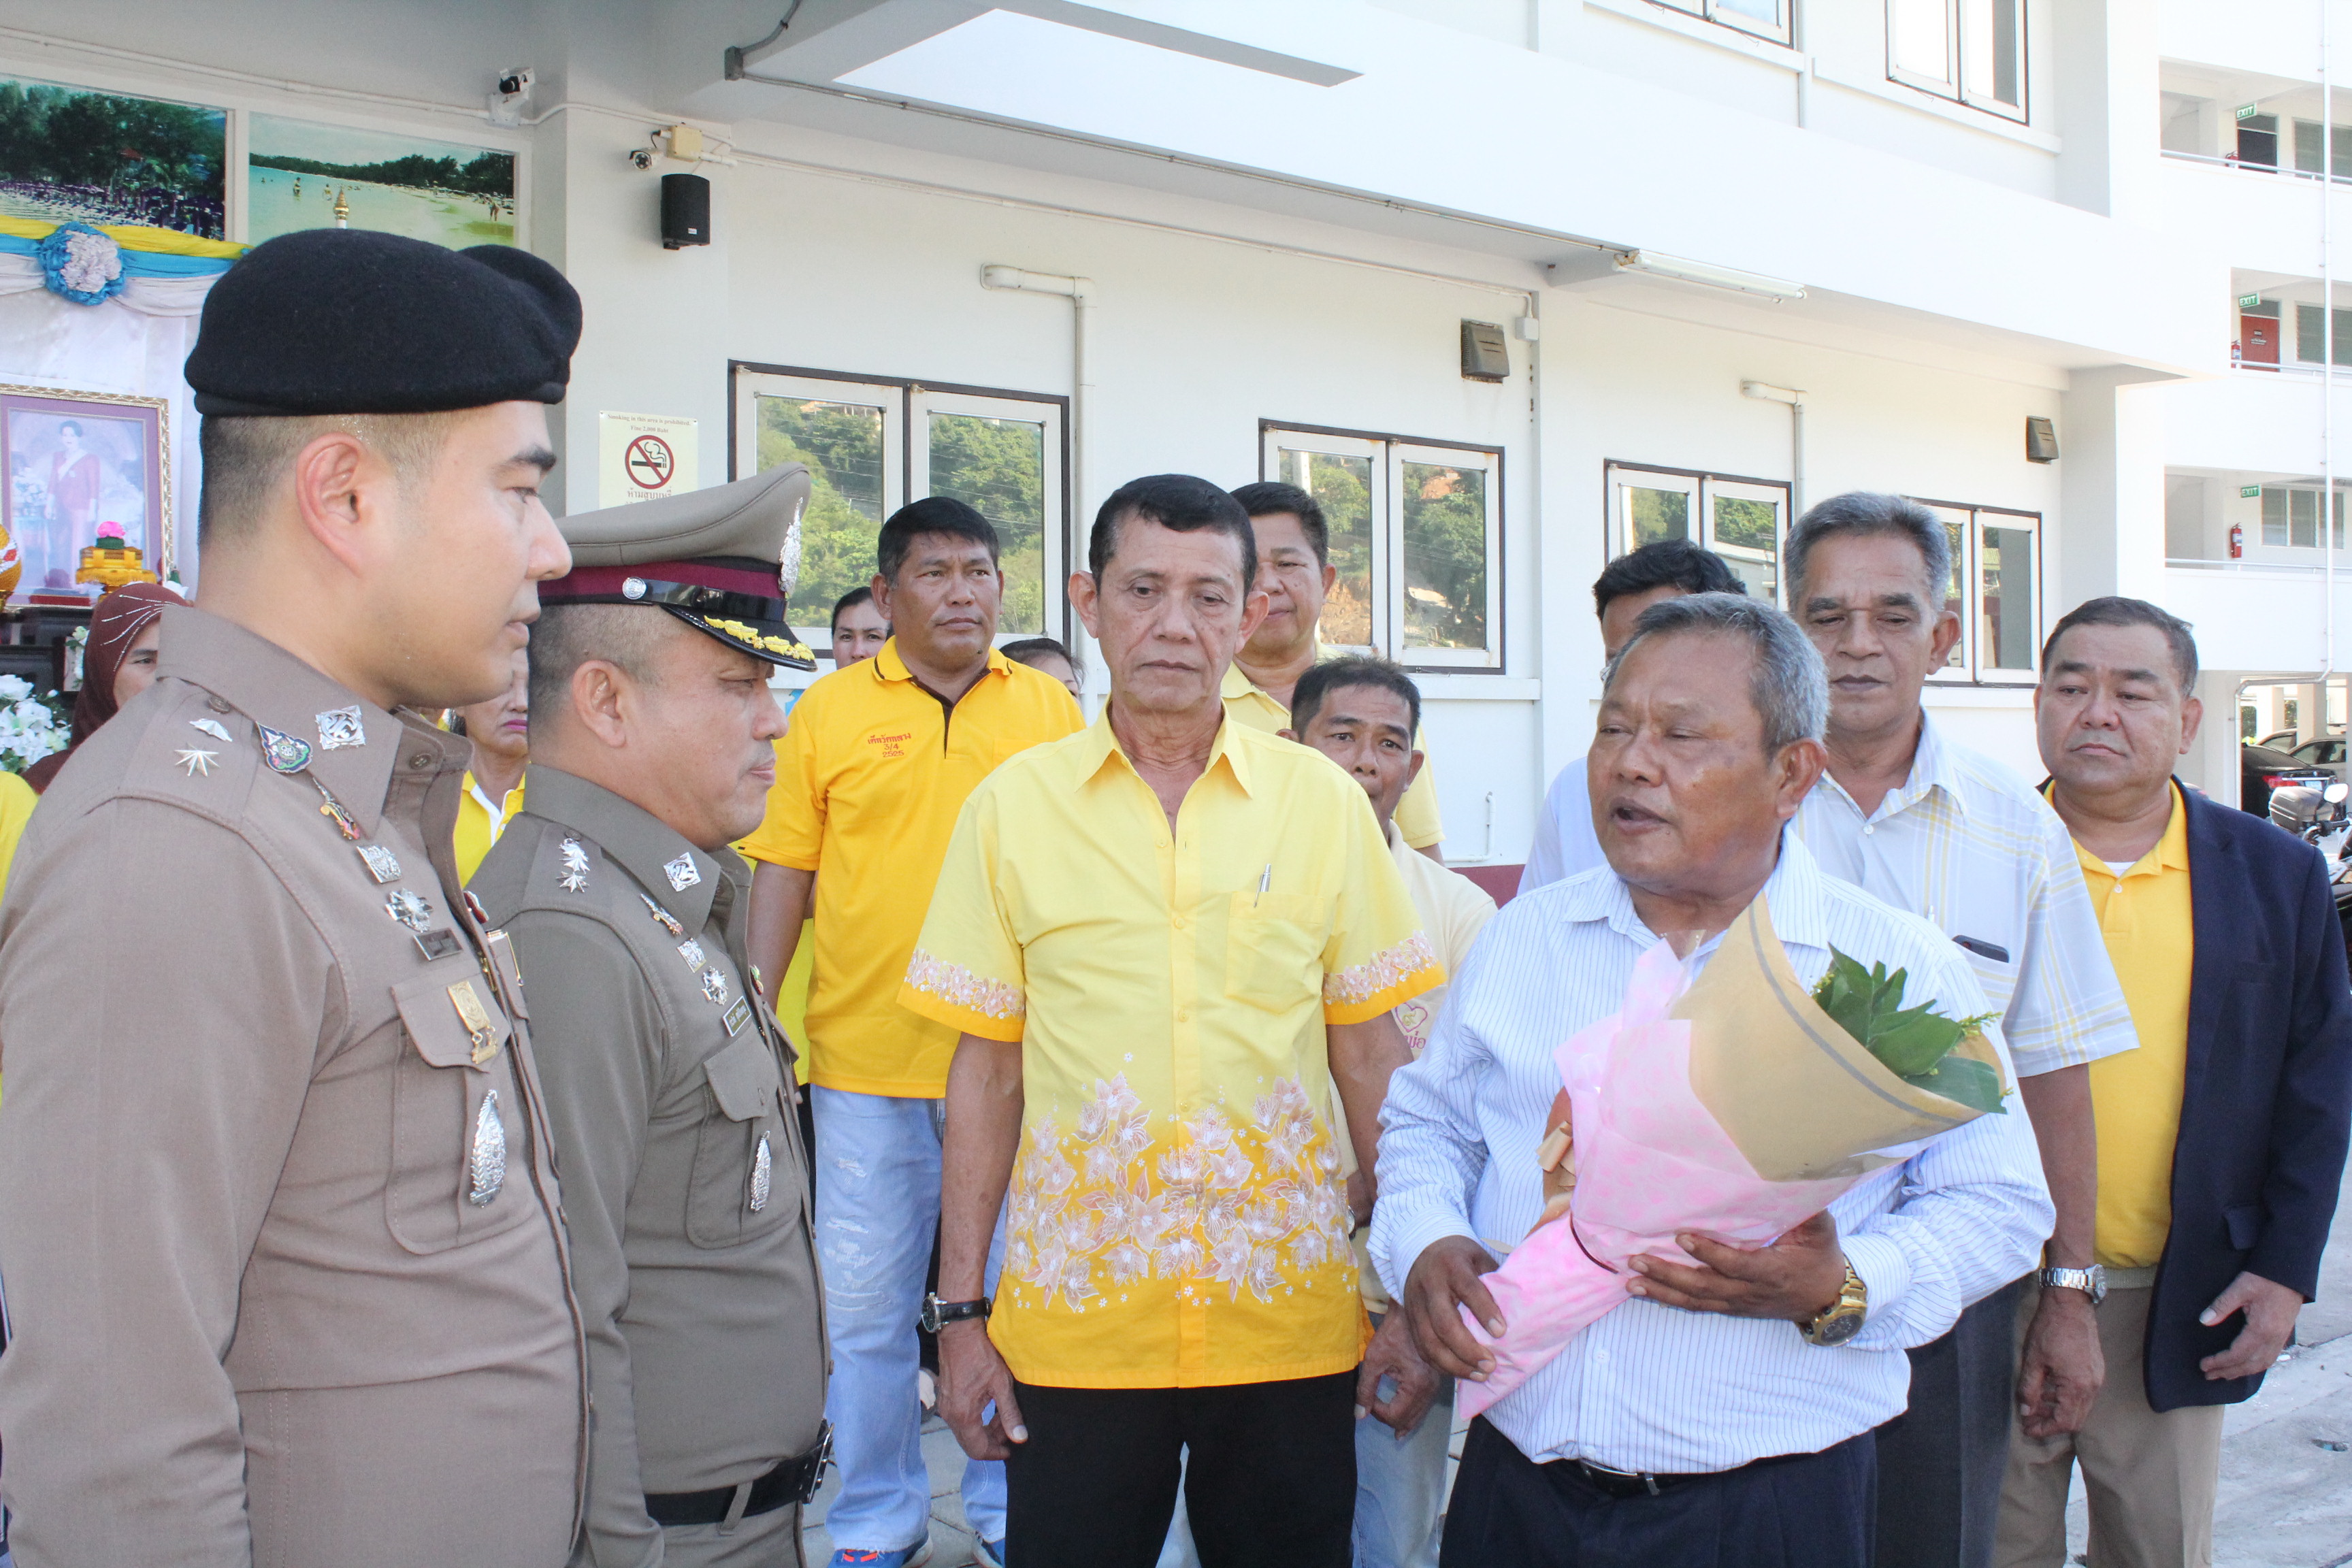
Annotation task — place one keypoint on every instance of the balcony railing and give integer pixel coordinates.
(2232, 161)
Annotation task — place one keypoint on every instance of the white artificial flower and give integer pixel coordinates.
(13, 687)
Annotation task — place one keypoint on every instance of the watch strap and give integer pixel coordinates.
(1852, 1301)
(2091, 1281)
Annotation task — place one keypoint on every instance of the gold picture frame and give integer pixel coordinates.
(73, 460)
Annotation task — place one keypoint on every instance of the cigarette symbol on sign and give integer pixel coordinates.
(649, 462)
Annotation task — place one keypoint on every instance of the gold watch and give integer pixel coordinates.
(1843, 1318)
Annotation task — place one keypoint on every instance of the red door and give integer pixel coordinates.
(2257, 339)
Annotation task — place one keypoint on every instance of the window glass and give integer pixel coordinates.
(1919, 39)
(997, 466)
(1764, 10)
(2310, 342)
(1989, 43)
(2008, 603)
(2303, 519)
(2273, 515)
(1747, 535)
(1956, 600)
(2258, 139)
(1342, 487)
(1656, 514)
(2309, 147)
(842, 445)
(1445, 517)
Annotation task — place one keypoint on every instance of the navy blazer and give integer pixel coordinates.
(2268, 1102)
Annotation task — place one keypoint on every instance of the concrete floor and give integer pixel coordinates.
(2286, 1454)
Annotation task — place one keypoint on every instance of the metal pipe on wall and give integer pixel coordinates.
(1765, 392)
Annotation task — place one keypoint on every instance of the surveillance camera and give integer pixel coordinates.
(642, 157)
(510, 85)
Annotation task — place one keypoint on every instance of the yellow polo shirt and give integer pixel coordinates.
(1177, 1218)
(17, 799)
(1416, 814)
(2148, 918)
(476, 831)
(868, 784)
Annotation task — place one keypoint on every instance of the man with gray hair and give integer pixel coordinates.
(1714, 1419)
(1940, 830)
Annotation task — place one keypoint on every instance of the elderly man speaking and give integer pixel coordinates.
(1723, 1417)
(1162, 940)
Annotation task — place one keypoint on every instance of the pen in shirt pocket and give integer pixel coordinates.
(1265, 881)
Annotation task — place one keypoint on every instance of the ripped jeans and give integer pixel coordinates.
(877, 1205)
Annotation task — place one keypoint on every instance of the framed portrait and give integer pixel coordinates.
(79, 463)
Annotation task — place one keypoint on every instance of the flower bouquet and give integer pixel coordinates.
(31, 727)
(1735, 1105)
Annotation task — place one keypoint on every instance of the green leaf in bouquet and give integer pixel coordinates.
(1964, 1080)
(1913, 1041)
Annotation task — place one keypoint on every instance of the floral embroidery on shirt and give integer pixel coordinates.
(955, 985)
(1381, 973)
(1213, 1201)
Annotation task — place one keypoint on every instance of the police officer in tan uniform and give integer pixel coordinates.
(668, 1086)
(279, 1234)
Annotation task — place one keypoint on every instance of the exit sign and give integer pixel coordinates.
(2250, 492)
(2248, 301)
(2248, 112)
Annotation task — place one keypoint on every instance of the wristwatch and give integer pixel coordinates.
(1841, 1319)
(938, 1314)
(2091, 1281)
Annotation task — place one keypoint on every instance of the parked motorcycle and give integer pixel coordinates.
(2321, 815)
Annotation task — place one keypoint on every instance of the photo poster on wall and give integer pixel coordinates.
(300, 174)
(77, 155)
(80, 465)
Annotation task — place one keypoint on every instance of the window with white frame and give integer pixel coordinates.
(1996, 590)
(1971, 51)
(1765, 18)
(1416, 534)
(873, 443)
(1743, 521)
(2291, 516)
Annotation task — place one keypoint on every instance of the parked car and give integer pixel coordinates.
(2277, 741)
(2326, 753)
(2261, 769)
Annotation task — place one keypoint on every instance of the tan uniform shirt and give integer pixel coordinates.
(669, 1090)
(275, 1298)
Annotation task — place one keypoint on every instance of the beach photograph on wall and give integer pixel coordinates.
(304, 175)
(70, 154)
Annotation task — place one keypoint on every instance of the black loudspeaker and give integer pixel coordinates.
(686, 210)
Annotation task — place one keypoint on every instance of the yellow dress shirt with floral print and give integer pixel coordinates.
(1177, 1218)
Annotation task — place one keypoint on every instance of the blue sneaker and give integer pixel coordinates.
(913, 1556)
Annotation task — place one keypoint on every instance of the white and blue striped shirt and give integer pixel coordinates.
(1651, 1387)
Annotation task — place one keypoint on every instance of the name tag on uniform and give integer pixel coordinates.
(476, 1020)
(738, 1015)
(441, 942)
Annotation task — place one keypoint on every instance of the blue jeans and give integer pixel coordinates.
(1401, 1487)
(878, 1203)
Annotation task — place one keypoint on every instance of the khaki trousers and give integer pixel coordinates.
(2150, 1478)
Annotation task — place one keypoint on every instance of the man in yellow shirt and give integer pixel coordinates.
(1296, 575)
(1163, 942)
(880, 758)
(499, 733)
(2221, 1140)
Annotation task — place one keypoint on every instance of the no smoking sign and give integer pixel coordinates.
(641, 456)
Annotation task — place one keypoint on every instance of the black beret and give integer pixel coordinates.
(331, 321)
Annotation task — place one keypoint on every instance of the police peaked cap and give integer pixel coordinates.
(329, 321)
(722, 560)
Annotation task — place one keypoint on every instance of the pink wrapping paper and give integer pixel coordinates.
(1651, 1161)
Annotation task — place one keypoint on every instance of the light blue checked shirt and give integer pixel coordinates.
(1972, 847)
(1651, 1387)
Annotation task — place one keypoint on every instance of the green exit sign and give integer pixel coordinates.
(2248, 301)
(2248, 112)
(2250, 492)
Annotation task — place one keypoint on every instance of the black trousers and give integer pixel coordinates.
(1271, 1483)
(1808, 1512)
(1940, 1462)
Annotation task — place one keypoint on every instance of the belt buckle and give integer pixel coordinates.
(818, 1461)
(1649, 1481)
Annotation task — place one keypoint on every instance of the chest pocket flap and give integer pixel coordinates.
(453, 1017)
(744, 1079)
(742, 1160)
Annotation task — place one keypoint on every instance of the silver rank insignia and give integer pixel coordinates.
(714, 985)
(211, 727)
(682, 873)
(409, 910)
(663, 918)
(285, 754)
(763, 1175)
(197, 761)
(381, 863)
(690, 951)
(340, 727)
(486, 1168)
(575, 866)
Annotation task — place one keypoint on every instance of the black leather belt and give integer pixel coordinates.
(792, 1481)
(1639, 1483)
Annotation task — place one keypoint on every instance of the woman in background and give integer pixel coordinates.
(125, 630)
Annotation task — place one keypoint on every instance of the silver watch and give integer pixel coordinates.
(2091, 1281)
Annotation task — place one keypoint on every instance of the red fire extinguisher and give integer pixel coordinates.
(2237, 540)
